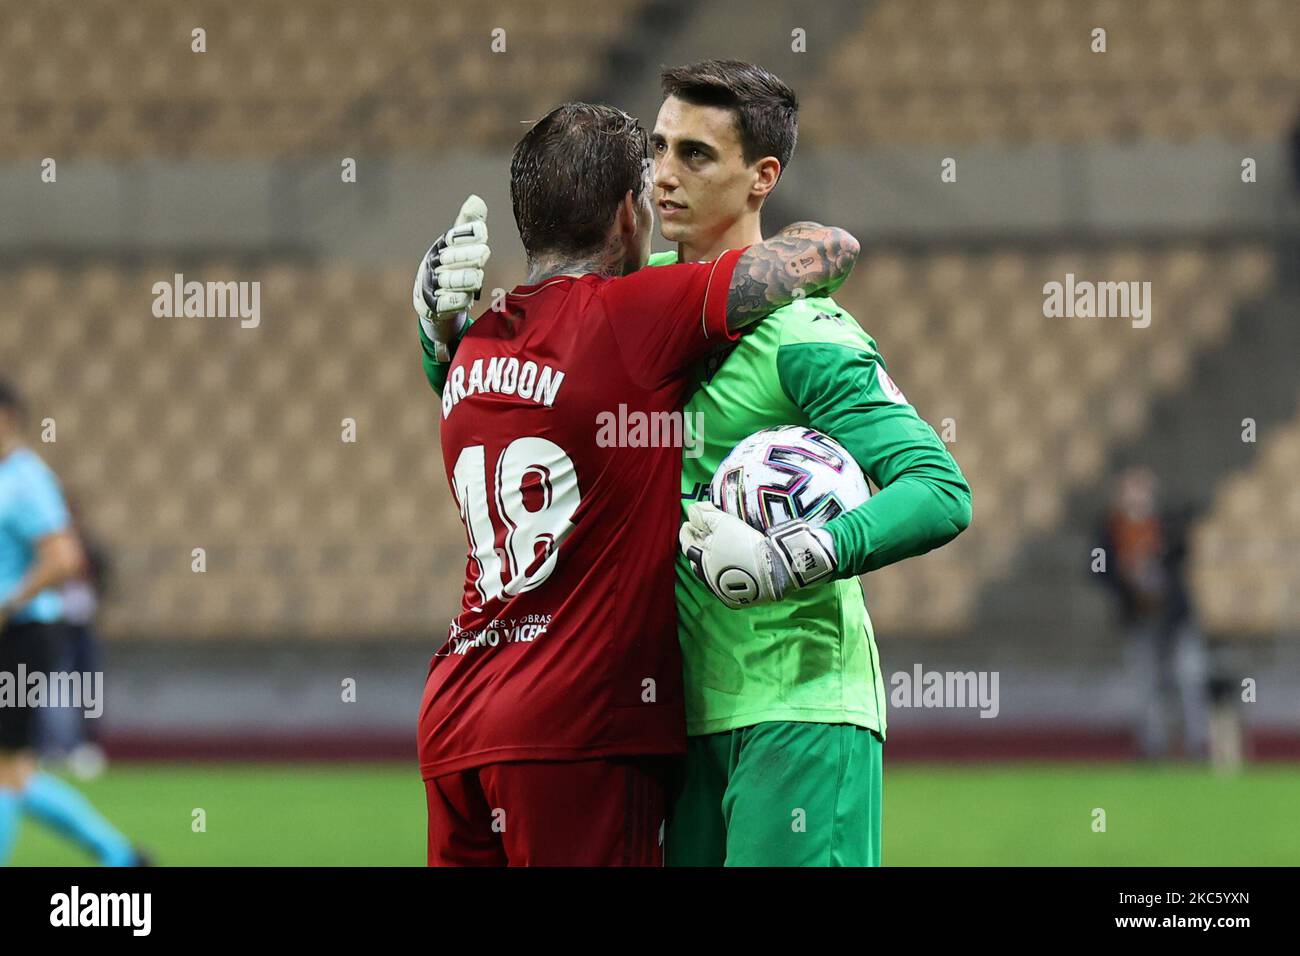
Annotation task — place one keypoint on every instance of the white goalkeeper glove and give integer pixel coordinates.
(745, 567)
(450, 276)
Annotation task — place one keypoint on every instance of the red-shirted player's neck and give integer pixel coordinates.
(745, 231)
(609, 260)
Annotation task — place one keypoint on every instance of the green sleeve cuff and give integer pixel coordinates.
(434, 371)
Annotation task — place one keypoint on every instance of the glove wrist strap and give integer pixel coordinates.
(807, 553)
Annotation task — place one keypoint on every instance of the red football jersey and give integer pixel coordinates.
(552, 436)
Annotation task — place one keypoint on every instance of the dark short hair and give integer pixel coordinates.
(569, 174)
(766, 110)
(11, 400)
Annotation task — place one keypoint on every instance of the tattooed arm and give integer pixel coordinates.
(803, 259)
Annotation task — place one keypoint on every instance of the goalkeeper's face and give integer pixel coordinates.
(703, 185)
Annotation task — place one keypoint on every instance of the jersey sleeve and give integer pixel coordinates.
(839, 379)
(665, 319)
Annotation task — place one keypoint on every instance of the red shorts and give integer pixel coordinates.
(606, 812)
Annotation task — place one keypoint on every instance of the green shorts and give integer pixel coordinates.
(778, 794)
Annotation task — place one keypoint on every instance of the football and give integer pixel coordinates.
(788, 472)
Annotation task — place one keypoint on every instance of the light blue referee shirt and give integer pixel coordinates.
(31, 507)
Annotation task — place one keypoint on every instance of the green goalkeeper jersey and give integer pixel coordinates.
(811, 657)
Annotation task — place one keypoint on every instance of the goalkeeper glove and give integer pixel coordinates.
(450, 277)
(744, 567)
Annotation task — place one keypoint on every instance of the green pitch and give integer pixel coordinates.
(1025, 814)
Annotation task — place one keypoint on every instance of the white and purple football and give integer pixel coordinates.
(785, 473)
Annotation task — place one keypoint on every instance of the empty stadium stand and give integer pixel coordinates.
(1031, 404)
(122, 81)
(945, 71)
(1246, 553)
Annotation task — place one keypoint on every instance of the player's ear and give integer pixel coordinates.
(766, 173)
(625, 220)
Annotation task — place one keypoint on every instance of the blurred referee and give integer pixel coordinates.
(38, 552)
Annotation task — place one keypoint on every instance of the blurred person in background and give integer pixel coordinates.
(68, 737)
(1146, 553)
(38, 552)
